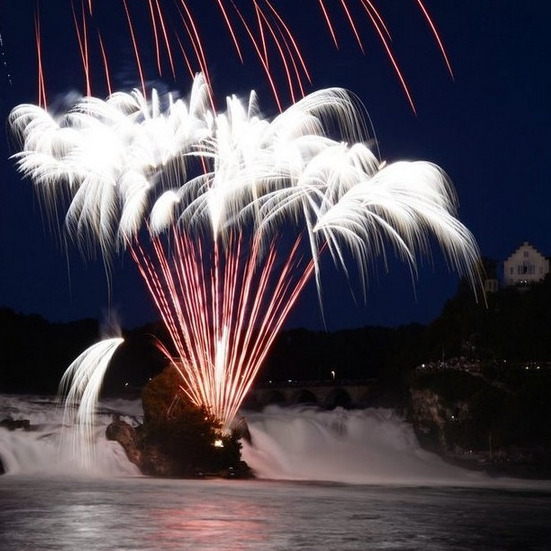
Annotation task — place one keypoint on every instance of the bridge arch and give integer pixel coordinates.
(274, 397)
(324, 394)
(338, 397)
(304, 396)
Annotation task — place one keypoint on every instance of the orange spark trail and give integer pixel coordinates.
(370, 8)
(105, 65)
(41, 83)
(155, 36)
(258, 13)
(291, 39)
(186, 59)
(294, 55)
(392, 59)
(265, 65)
(158, 12)
(352, 25)
(193, 34)
(82, 38)
(436, 36)
(135, 45)
(329, 24)
(259, 21)
(292, 49)
(230, 28)
(222, 310)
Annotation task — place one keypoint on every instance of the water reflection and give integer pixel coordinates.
(237, 526)
(144, 514)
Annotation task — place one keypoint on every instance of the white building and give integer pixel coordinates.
(526, 265)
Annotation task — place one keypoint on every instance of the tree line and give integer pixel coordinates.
(509, 327)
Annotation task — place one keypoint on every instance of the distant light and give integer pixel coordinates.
(218, 443)
(290, 381)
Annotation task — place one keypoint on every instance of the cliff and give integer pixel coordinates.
(485, 417)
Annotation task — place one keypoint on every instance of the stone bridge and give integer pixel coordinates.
(325, 394)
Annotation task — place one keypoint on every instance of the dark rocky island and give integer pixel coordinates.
(178, 439)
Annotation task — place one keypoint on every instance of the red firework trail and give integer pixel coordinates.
(223, 309)
(258, 24)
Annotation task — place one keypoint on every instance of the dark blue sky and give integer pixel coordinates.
(488, 128)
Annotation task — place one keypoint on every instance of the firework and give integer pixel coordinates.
(79, 389)
(171, 39)
(226, 214)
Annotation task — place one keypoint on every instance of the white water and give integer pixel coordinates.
(372, 446)
(47, 449)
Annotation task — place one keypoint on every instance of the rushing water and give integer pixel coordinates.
(397, 496)
(371, 446)
(47, 449)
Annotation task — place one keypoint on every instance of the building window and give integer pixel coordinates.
(526, 254)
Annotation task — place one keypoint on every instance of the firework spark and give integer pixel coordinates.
(175, 34)
(226, 214)
(79, 389)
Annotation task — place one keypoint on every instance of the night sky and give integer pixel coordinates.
(488, 127)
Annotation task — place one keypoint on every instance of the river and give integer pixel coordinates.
(47, 503)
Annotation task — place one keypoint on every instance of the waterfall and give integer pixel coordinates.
(371, 446)
(368, 446)
(48, 448)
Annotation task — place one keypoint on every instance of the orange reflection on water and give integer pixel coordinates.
(230, 524)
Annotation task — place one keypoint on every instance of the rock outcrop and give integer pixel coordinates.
(139, 450)
(128, 437)
(177, 438)
(482, 422)
(16, 424)
(153, 459)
